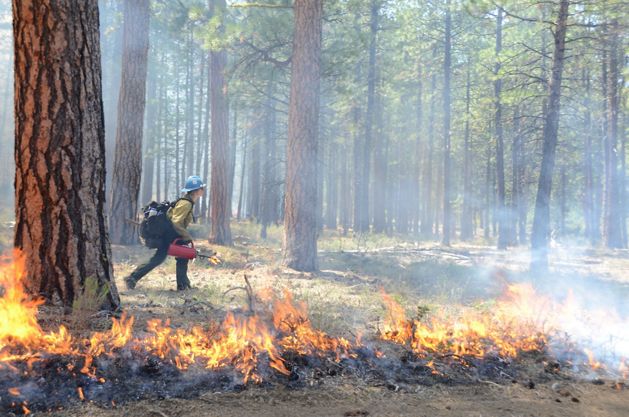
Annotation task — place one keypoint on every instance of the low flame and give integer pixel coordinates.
(520, 321)
(240, 342)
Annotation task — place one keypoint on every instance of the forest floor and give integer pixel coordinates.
(344, 299)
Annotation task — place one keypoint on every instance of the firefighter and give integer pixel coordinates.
(181, 216)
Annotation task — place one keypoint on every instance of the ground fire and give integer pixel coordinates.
(276, 342)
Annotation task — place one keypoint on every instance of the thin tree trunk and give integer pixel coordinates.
(358, 178)
(253, 188)
(242, 178)
(206, 148)
(152, 121)
(419, 114)
(269, 198)
(331, 206)
(60, 149)
(588, 171)
(345, 192)
(563, 202)
(467, 226)
(488, 192)
(111, 99)
(363, 224)
(427, 220)
(300, 224)
(379, 171)
(517, 193)
(613, 212)
(200, 143)
(131, 102)
(187, 163)
(541, 220)
(233, 144)
(504, 221)
(447, 188)
(178, 159)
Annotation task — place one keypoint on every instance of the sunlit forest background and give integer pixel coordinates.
(415, 103)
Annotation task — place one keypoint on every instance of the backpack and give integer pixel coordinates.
(156, 228)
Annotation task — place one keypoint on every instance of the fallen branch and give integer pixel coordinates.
(248, 289)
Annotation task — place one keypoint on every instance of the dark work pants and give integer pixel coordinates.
(158, 257)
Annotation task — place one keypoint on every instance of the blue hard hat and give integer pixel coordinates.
(194, 182)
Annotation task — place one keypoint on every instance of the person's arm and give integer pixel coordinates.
(178, 216)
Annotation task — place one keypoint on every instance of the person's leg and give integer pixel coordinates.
(158, 257)
(183, 283)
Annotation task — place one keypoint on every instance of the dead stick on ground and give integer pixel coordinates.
(248, 289)
(159, 413)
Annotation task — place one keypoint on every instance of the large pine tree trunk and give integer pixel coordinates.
(300, 224)
(128, 159)
(220, 205)
(541, 220)
(60, 149)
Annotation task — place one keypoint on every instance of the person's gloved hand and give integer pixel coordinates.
(184, 242)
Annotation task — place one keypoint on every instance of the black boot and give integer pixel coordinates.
(183, 283)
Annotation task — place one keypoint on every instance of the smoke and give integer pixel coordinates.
(586, 293)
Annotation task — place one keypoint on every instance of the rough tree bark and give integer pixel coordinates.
(131, 100)
(60, 149)
(300, 224)
(220, 204)
(541, 220)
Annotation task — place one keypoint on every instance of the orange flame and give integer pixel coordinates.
(238, 341)
(513, 326)
(520, 321)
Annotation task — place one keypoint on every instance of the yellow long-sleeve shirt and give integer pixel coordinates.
(181, 217)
